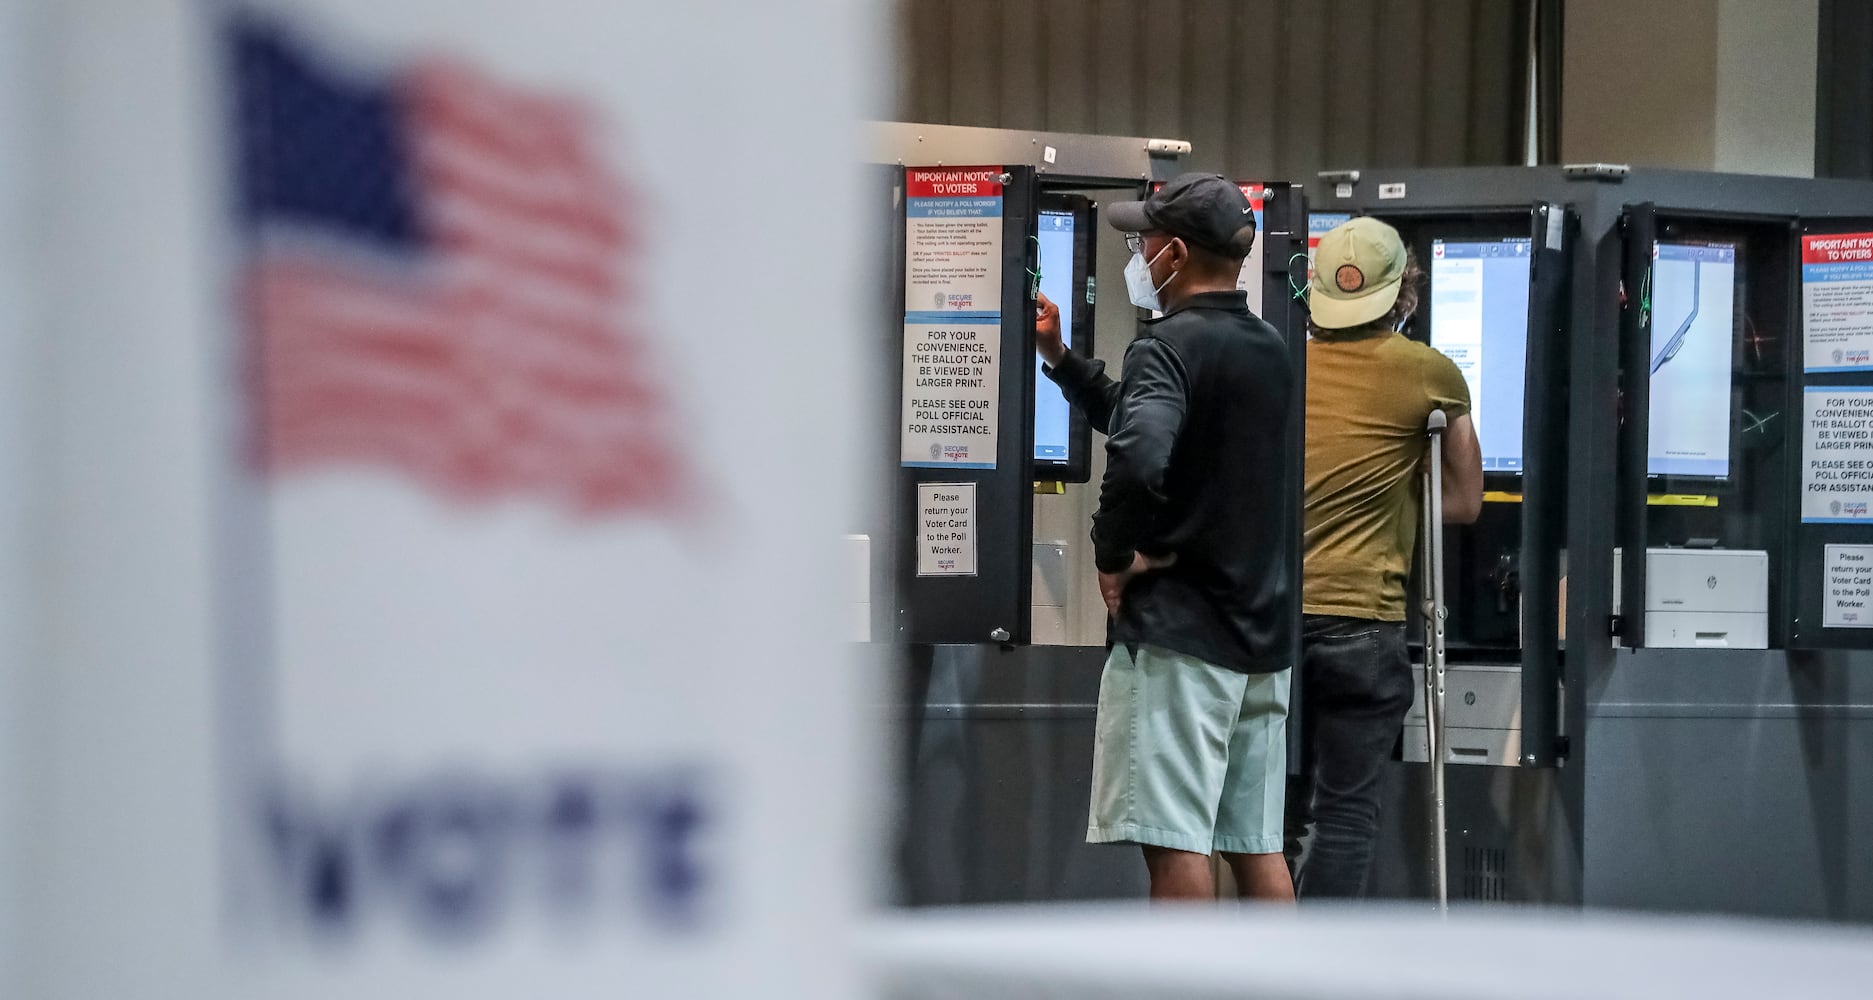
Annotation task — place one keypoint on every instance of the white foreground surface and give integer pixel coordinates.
(1094, 953)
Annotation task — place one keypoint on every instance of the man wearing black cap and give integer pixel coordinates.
(1190, 756)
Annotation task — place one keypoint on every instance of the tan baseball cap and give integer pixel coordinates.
(1357, 269)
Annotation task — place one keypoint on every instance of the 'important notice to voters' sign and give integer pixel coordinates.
(1837, 302)
(1249, 280)
(1837, 454)
(952, 317)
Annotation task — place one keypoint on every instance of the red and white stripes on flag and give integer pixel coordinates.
(494, 355)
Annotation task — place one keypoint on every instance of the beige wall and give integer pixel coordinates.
(1693, 84)
(1766, 54)
(1638, 79)
(1263, 89)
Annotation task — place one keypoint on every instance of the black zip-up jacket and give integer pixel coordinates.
(1196, 436)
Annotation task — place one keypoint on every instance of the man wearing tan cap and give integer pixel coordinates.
(1369, 392)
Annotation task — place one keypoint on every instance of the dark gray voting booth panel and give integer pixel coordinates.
(1639, 227)
(995, 604)
(1544, 514)
(1284, 284)
(999, 779)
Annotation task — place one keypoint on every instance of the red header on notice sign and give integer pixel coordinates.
(953, 182)
(1256, 193)
(1837, 248)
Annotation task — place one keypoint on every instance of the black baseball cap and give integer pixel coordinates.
(1203, 209)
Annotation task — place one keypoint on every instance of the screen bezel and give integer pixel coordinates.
(1077, 467)
(1677, 235)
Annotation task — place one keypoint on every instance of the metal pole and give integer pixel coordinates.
(1434, 613)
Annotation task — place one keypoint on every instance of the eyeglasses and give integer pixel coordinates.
(1135, 242)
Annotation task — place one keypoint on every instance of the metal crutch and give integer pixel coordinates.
(1434, 612)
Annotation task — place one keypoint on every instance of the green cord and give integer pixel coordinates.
(1300, 291)
(1645, 299)
(1034, 272)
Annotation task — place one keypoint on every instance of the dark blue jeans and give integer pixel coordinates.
(1355, 688)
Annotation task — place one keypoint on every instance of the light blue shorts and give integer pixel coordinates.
(1188, 755)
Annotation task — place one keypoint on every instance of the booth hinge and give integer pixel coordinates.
(1614, 172)
(1615, 626)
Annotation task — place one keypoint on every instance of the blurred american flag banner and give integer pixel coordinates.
(435, 284)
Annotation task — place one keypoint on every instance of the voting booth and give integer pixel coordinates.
(1683, 382)
(981, 571)
(1786, 291)
(982, 222)
(1496, 274)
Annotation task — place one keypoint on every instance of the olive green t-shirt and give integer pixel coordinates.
(1368, 396)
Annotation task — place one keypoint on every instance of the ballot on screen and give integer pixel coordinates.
(1693, 298)
(1479, 319)
(1061, 438)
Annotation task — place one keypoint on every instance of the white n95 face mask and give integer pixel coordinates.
(1138, 280)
